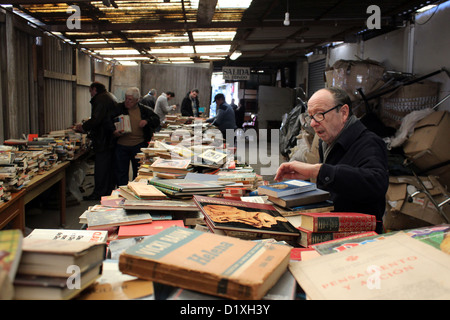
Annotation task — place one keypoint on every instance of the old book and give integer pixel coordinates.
(213, 157)
(127, 193)
(208, 263)
(44, 257)
(309, 238)
(169, 165)
(245, 218)
(118, 217)
(325, 206)
(301, 199)
(70, 235)
(147, 229)
(10, 251)
(39, 287)
(334, 221)
(397, 268)
(160, 205)
(185, 185)
(146, 191)
(286, 188)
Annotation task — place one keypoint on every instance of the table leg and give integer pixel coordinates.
(62, 200)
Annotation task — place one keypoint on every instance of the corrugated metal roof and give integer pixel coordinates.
(166, 31)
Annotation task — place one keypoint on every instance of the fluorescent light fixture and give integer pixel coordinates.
(426, 8)
(116, 52)
(235, 55)
(309, 54)
(128, 63)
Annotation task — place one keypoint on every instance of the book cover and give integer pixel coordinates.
(333, 221)
(119, 217)
(185, 185)
(161, 205)
(212, 264)
(309, 238)
(10, 251)
(397, 268)
(294, 200)
(437, 236)
(213, 156)
(286, 188)
(224, 214)
(146, 191)
(70, 235)
(147, 229)
(326, 206)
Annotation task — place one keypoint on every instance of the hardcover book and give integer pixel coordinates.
(208, 263)
(295, 200)
(181, 164)
(309, 238)
(70, 235)
(245, 217)
(160, 205)
(334, 221)
(286, 188)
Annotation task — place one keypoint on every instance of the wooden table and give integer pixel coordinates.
(15, 208)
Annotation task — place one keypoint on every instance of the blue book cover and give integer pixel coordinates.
(286, 188)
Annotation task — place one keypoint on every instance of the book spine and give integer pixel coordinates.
(344, 223)
(315, 238)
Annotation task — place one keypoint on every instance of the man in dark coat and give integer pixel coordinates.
(150, 99)
(353, 160)
(224, 118)
(100, 128)
(190, 104)
(143, 122)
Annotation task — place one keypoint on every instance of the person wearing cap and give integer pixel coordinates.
(225, 118)
(353, 160)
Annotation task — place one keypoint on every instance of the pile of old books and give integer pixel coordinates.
(54, 264)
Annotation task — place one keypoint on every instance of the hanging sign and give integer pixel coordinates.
(236, 73)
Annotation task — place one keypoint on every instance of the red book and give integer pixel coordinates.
(334, 221)
(309, 238)
(147, 229)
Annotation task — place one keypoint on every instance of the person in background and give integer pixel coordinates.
(225, 118)
(149, 99)
(240, 114)
(353, 160)
(143, 124)
(190, 104)
(162, 107)
(233, 105)
(100, 128)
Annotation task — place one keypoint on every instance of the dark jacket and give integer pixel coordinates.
(149, 101)
(146, 114)
(356, 172)
(100, 126)
(186, 106)
(224, 119)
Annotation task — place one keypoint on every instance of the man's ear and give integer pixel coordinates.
(345, 110)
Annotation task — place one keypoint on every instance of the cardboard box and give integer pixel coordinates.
(351, 75)
(429, 145)
(419, 207)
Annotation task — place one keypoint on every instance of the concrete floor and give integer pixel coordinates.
(43, 213)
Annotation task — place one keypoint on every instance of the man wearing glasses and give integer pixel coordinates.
(353, 160)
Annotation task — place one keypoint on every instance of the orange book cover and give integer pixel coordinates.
(147, 229)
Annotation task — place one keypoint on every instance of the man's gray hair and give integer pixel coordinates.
(133, 91)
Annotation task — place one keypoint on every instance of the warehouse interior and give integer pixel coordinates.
(392, 58)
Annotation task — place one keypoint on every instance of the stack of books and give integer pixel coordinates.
(321, 226)
(185, 187)
(292, 194)
(58, 268)
(180, 166)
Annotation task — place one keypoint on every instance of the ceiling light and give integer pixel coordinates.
(235, 55)
(286, 21)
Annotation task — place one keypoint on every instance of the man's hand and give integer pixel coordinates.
(117, 133)
(78, 128)
(297, 170)
(142, 123)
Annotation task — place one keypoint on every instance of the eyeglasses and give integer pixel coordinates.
(319, 116)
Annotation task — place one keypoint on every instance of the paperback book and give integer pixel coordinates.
(305, 198)
(160, 205)
(119, 217)
(147, 229)
(208, 263)
(185, 185)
